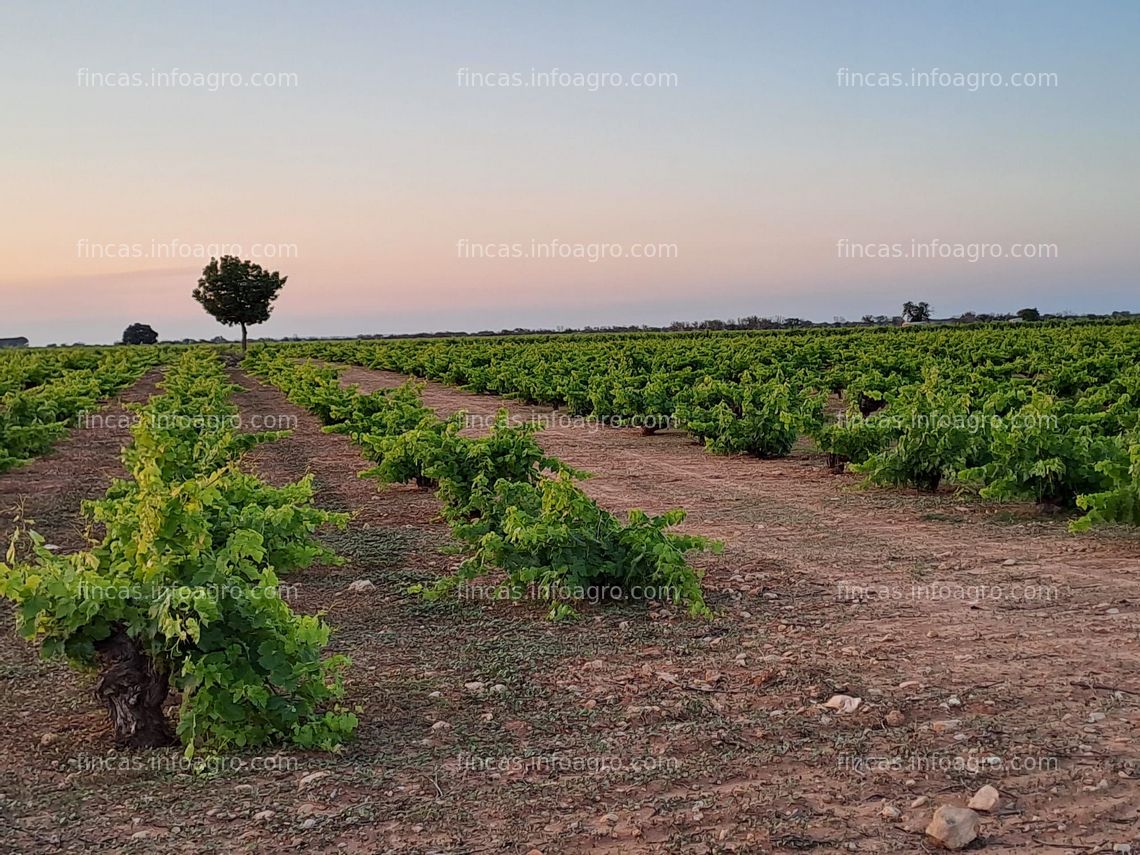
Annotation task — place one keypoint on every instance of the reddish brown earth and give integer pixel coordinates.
(636, 729)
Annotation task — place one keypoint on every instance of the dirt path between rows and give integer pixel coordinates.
(485, 728)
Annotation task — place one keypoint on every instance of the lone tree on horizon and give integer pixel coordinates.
(238, 292)
(139, 334)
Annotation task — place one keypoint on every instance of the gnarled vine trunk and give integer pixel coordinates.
(133, 691)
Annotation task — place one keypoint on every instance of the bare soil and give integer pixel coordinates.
(636, 729)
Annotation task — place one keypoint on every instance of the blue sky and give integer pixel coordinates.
(365, 177)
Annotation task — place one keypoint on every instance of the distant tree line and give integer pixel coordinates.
(913, 313)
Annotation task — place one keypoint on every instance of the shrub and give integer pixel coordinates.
(852, 438)
(182, 591)
(1120, 501)
(760, 418)
(558, 543)
(1039, 452)
(934, 434)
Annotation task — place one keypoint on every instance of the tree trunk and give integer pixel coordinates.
(133, 692)
(243, 339)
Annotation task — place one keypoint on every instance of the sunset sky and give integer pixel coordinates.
(369, 175)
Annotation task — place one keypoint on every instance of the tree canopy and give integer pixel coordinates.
(916, 312)
(139, 334)
(238, 292)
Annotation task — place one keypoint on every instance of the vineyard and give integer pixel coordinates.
(42, 394)
(1044, 414)
(470, 570)
(517, 509)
